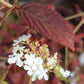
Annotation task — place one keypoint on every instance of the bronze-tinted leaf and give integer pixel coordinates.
(47, 22)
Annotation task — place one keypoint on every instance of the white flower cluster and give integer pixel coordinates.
(64, 73)
(31, 63)
(34, 67)
(52, 61)
(34, 58)
(16, 56)
(21, 38)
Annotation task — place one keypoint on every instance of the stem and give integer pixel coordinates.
(78, 27)
(26, 78)
(6, 4)
(66, 49)
(74, 16)
(3, 58)
(66, 57)
(30, 82)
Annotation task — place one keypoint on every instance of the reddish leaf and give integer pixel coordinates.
(16, 78)
(54, 48)
(81, 76)
(6, 37)
(2, 50)
(4, 33)
(50, 6)
(79, 36)
(18, 28)
(41, 81)
(47, 22)
(55, 81)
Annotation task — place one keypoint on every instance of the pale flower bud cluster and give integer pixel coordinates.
(51, 62)
(34, 58)
(65, 73)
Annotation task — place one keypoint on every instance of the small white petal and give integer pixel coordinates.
(61, 70)
(29, 35)
(11, 60)
(32, 55)
(46, 70)
(26, 67)
(37, 72)
(21, 38)
(19, 63)
(40, 76)
(33, 77)
(20, 55)
(26, 56)
(45, 76)
(30, 72)
(10, 56)
(34, 67)
(41, 67)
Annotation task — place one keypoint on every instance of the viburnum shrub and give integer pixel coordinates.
(36, 22)
(35, 58)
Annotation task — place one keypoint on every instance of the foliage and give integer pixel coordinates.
(45, 24)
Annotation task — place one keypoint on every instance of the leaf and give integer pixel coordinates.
(5, 37)
(55, 81)
(47, 22)
(52, 7)
(18, 28)
(79, 36)
(55, 48)
(16, 78)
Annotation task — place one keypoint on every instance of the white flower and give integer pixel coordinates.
(64, 73)
(34, 67)
(40, 73)
(33, 77)
(29, 59)
(21, 38)
(61, 70)
(30, 72)
(43, 75)
(55, 55)
(16, 59)
(51, 61)
(17, 48)
(11, 59)
(38, 61)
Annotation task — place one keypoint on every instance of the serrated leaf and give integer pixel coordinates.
(47, 22)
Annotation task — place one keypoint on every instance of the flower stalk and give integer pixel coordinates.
(74, 16)
(30, 82)
(6, 4)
